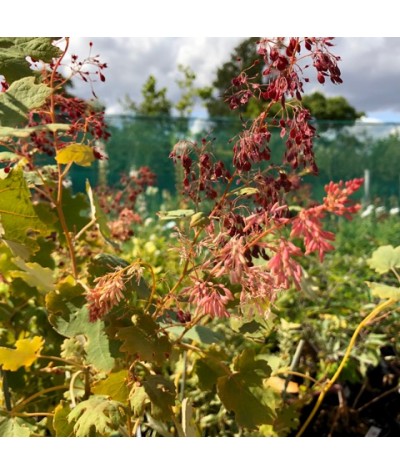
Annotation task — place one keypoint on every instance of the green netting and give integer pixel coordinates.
(343, 151)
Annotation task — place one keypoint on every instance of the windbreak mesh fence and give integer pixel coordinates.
(342, 150)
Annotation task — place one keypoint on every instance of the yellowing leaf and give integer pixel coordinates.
(384, 291)
(35, 275)
(114, 386)
(76, 153)
(25, 353)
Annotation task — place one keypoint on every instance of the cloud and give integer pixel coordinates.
(370, 72)
(370, 67)
(131, 60)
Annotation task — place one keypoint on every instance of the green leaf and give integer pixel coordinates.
(11, 132)
(102, 264)
(142, 340)
(13, 427)
(96, 416)
(61, 425)
(247, 191)
(384, 259)
(34, 275)
(250, 368)
(97, 344)
(384, 291)
(66, 297)
(8, 156)
(14, 50)
(138, 399)
(18, 218)
(98, 215)
(161, 393)
(175, 214)
(210, 368)
(114, 386)
(76, 211)
(20, 98)
(243, 393)
(198, 333)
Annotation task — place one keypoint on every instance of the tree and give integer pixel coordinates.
(330, 108)
(243, 56)
(154, 103)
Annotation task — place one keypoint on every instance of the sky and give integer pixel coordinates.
(370, 69)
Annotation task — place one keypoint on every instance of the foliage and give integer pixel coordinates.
(122, 325)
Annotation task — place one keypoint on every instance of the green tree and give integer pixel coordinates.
(154, 102)
(330, 108)
(243, 56)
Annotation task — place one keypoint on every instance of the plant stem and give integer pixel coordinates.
(368, 319)
(62, 360)
(6, 391)
(378, 398)
(38, 394)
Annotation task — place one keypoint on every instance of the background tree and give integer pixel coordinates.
(243, 56)
(154, 102)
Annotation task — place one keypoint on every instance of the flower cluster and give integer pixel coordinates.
(249, 239)
(120, 205)
(110, 289)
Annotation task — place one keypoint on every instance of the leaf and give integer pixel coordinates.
(97, 344)
(138, 399)
(198, 333)
(247, 191)
(66, 297)
(25, 353)
(18, 218)
(13, 427)
(384, 291)
(243, 393)
(9, 156)
(76, 153)
(210, 368)
(384, 259)
(76, 211)
(188, 427)
(104, 263)
(176, 214)
(114, 386)
(142, 340)
(61, 425)
(14, 50)
(99, 216)
(252, 369)
(96, 416)
(11, 132)
(161, 393)
(34, 275)
(19, 99)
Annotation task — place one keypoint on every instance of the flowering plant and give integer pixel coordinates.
(112, 328)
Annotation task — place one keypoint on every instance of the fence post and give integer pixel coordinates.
(367, 177)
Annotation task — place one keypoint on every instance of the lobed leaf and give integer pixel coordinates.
(19, 99)
(25, 353)
(384, 259)
(14, 50)
(142, 340)
(96, 416)
(97, 344)
(114, 386)
(18, 218)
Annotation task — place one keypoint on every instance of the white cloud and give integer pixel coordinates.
(370, 67)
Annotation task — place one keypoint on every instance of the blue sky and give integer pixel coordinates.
(370, 68)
